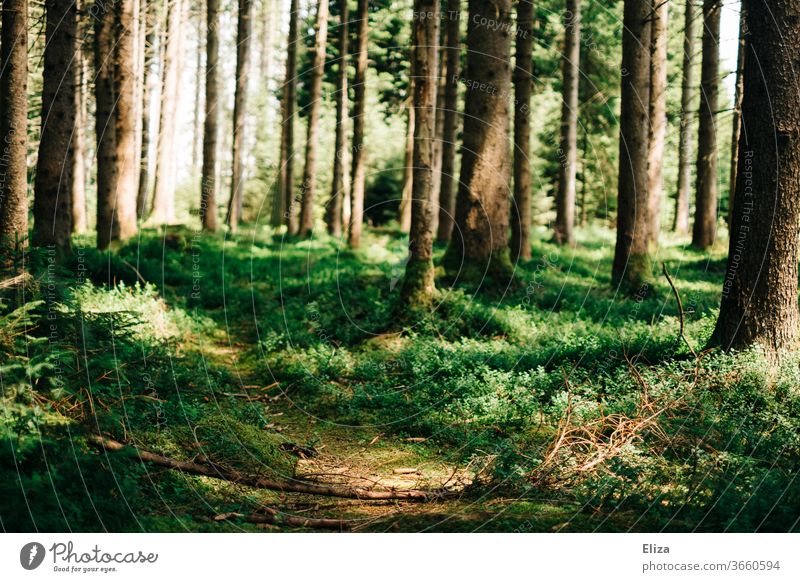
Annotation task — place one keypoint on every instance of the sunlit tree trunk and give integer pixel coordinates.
(340, 184)
(14, 127)
(196, 126)
(658, 117)
(408, 164)
(78, 190)
(523, 81)
(452, 56)
(163, 211)
(245, 30)
(115, 122)
(309, 186)
(568, 158)
(418, 284)
(478, 250)
(52, 213)
(149, 23)
(704, 231)
(359, 170)
(208, 183)
(286, 180)
(759, 293)
(631, 257)
(681, 220)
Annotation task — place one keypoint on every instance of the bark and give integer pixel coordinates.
(208, 181)
(52, 212)
(439, 130)
(418, 284)
(704, 231)
(114, 96)
(523, 82)
(478, 251)
(13, 128)
(163, 211)
(658, 117)
(631, 258)
(78, 189)
(452, 56)
(259, 482)
(341, 180)
(197, 92)
(737, 111)
(245, 30)
(408, 167)
(286, 184)
(680, 222)
(150, 25)
(359, 169)
(308, 190)
(568, 158)
(759, 294)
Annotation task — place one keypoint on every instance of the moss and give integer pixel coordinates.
(495, 273)
(418, 284)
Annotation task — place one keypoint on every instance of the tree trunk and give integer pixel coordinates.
(523, 81)
(704, 231)
(408, 164)
(308, 190)
(568, 159)
(478, 251)
(737, 111)
(197, 91)
(658, 117)
(359, 170)
(286, 183)
(680, 223)
(441, 83)
(631, 259)
(418, 284)
(759, 294)
(245, 29)
(452, 56)
(208, 183)
(341, 179)
(78, 189)
(114, 86)
(14, 128)
(52, 213)
(163, 211)
(150, 24)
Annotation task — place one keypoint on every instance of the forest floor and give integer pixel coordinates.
(286, 359)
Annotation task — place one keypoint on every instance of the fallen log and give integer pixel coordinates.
(274, 517)
(258, 482)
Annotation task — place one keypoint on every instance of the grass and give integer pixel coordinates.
(157, 342)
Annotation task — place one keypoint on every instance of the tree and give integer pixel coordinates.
(245, 30)
(285, 197)
(418, 284)
(737, 109)
(408, 161)
(680, 222)
(359, 169)
(115, 122)
(452, 56)
(13, 127)
(149, 22)
(317, 70)
(52, 212)
(208, 181)
(565, 199)
(78, 189)
(759, 294)
(197, 89)
(479, 247)
(163, 209)
(704, 231)
(340, 185)
(658, 116)
(631, 258)
(523, 80)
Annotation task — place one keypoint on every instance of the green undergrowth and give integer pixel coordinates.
(153, 342)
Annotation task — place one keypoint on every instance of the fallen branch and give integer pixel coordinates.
(680, 309)
(15, 281)
(275, 517)
(265, 483)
